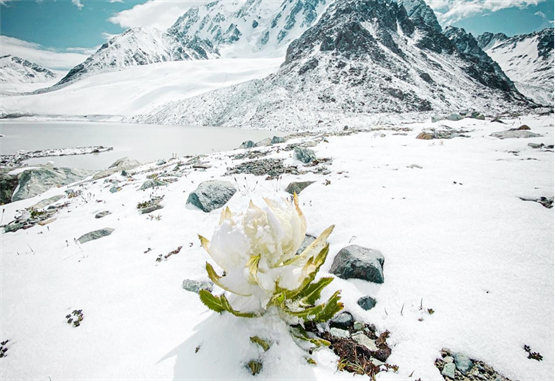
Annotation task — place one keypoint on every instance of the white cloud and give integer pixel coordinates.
(154, 13)
(38, 54)
(77, 3)
(451, 11)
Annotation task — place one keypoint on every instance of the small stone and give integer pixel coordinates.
(364, 340)
(115, 189)
(247, 144)
(277, 140)
(304, 155)
(197, 285)
(152, 184)
(95, 235)
(341, 333)
(523, 128)
(358, 326)
(367, 303)
(463, 363)
(424, 136)
(448, 359)
(359, 263)
(211, 195)
(308, 239)
(343, 321)
(535, 145)
(298, 187)
(449, 370)
(102, 214)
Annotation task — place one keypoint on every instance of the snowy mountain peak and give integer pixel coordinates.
(527, 59)
(240, 29)
(141, 46)
(421, 13)
(488, 40)
(18, 70)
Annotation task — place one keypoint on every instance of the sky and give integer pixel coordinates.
(59, 34)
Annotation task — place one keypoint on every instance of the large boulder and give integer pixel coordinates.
(305, 155)
(38, 180)
(95, 235)
(297, 187)
(515, 134)
(212, 194)
(360, 263)
(8, 184)
(123, 164)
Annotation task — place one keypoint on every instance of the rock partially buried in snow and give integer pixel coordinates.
(341, 333)
(342, 321)
(197, 285)
(449, 370)
(38, 180)
(360, 263)
(211, 195)
(44, 203)
(424, 136)
(277, 140)
(95, 235)
(304, 155)
(298, 187)
(102, 214)
(515, 134)
(463, 363)
(364, 340)
(247, 144)
(123, 164)
(153, 184)
(367, 303)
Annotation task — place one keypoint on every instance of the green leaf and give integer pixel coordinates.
(311, 293)
(263, 343)
(308, 313)
(228, 308)
(331, 307)
(301, 334)
(310, 361)
(214, 277)
(211, 301)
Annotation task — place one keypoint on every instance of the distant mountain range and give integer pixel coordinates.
(341, 56)
(527, 59)
(17, 70)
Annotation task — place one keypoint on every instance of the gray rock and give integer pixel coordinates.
(336, 332)
(360, 263)
(123, 164)
(102, 214)
(364, 340)
(515, 134)
(448, 359)
(308, 239)
(150, 208)
(115, 189)
(44, 203)
(36, 181)
(264, 143)
(358, 326)
(342, 321)
(247, 144)
(153, 184)
(212, 194)
(535, 145)
(366, 303)
(277, 140)
(13, 227)
(449, 370)
(463, 363)
(197, 285)
(304, 155)
(95, 235)
(477, 115)
(8, 184)
(298, 186)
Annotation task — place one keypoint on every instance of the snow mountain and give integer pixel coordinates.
(141, 46)
(218, 29)
(527, 59)
(18, 70)
(362, 57)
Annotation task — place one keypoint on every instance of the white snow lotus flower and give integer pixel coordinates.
(257, 250)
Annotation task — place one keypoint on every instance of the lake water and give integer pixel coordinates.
(144, 143)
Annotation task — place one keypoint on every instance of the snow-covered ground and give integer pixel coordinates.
(454, 233)
(138, 89)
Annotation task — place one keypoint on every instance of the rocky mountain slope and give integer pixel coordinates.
(217, 29)
(141, 46)
(18, 70)
(361, 57)
(527, 59)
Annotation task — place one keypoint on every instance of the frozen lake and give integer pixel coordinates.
(142, 142)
